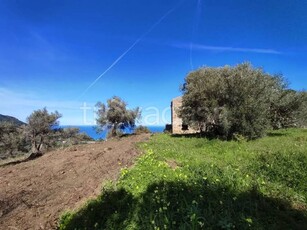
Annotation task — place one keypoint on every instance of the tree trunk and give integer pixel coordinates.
(34, 155)
(35, 149)
(114, 133)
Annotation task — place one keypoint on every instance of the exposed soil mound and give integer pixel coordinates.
(33, 194)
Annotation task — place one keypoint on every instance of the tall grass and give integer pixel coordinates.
(196, 183)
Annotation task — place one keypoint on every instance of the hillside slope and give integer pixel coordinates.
(35, 193)
(11, 119)
(197, 183)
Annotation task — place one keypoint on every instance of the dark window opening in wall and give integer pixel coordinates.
(168, 128)
(184, 127)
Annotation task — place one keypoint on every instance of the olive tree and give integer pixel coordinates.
(41, 129)
(232, 100)
(10, 138)
(301, 114)
(286, 110)
(115, 116)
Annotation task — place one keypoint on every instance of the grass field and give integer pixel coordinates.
(196, 183)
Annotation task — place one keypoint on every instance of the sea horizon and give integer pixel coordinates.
(90, 130)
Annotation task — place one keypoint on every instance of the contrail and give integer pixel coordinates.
(195, 27)
(130, 48)
(187, 46)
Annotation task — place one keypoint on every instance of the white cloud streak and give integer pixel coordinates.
(200, 47)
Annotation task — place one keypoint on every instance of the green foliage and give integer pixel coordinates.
(302, 112)
(284, 110)
(40, 129)
(115, 133)
(115, 116)
(196, 183)
(141, 129)
(72, 136)
(12, 140)
(241, 99)
(40, 133)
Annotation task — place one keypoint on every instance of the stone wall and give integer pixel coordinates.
(177, 126)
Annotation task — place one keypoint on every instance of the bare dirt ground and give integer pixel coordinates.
(33, 194)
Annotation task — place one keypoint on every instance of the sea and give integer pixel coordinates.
(91, 130)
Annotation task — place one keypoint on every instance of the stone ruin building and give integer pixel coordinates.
(177, 126)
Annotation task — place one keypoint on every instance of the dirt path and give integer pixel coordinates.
(33, 194)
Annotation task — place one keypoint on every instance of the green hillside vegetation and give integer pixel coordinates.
(22, 142)
(198, 183)
(13, 120)
(42, 132)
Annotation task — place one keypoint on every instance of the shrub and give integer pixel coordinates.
(72, 136)
(141, 129)
(12, 140)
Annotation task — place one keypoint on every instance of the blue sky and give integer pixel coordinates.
(53, 53)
